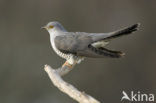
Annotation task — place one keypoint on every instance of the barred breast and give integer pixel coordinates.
(61, 54)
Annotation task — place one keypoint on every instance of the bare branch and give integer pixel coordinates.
(55, 76)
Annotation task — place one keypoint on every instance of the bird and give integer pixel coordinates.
(74, 47)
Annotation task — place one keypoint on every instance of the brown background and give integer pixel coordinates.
(25, 49)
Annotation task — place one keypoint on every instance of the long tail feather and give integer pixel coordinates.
(124, 31)
(105, 36)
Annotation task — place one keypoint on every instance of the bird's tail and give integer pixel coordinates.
(124, 31)
(115, 34)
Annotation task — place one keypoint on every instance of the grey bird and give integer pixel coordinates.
(75, 46)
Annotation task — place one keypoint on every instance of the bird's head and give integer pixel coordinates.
(51, 26)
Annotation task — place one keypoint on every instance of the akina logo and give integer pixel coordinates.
(137, 96)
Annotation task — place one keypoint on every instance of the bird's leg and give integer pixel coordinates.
(68, 64)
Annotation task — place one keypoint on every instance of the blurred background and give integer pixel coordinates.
(25, 49)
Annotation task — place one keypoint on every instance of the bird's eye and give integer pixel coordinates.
(50, 27)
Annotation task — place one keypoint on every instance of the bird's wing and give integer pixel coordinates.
(72, 42)
(80, 45)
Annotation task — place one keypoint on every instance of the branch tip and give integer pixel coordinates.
(55, 76)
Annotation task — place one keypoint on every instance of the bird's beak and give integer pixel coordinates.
(44, 27)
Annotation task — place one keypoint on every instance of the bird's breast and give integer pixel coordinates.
(61, 54)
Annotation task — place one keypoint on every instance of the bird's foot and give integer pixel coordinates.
(67, 64)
